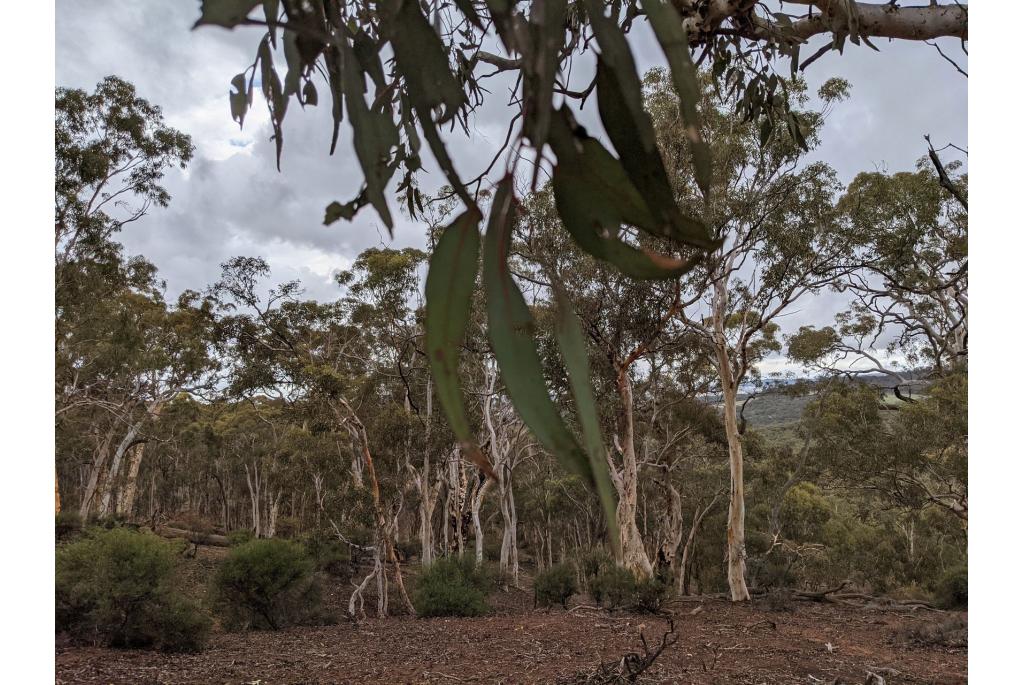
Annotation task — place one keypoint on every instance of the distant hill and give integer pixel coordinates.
(773, 407)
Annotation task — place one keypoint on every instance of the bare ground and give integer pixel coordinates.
(717, 643)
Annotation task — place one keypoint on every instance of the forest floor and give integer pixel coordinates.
(717, 643)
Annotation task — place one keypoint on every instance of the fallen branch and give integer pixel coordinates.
(192, 536)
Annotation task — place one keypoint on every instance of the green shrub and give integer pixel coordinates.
(286, 527)
(115, 587)
(613, 587)
(554, 586)
(951, 592)
(240, 537)
(452, 587)
(591, 564)
(267, 584)
(651, 594)
(67, 525)
(328, 554)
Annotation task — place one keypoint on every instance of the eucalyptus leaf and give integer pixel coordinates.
(572, 345)
(451, 279)
(226, 13)
(510, 328)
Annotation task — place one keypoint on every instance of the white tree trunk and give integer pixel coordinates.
(253, 481)
(126, 503)
(478, 531)
(634, 555)
(109, 481)
(509, 560)
(729, 378)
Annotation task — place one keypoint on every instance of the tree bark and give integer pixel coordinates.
(634, 555)
(735, 532)
(509, 560)
(99, 462)
(478, 531)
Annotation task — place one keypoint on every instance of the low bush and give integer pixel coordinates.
(452, 587)
(950, 631)
(267, 584)
(951, 591)
(613, 587)
(239, 537)
(329, 554)
(780, 599)
(651, 594)
(115, 587)
(591, 564)
(554, 586)
(67, 525)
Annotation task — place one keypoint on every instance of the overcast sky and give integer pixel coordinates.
(232, 201)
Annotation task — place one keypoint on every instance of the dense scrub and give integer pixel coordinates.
(554, 585)
(267, 584)
(453, 586)
(116, 587)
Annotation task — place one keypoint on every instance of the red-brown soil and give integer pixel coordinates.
(718, 643)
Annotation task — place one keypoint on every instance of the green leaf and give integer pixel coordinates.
(547, 31)
(595, 197)
(374, 134)
(421, 57)
(633, 138)
(573, 347)
(239, 100)
(226, 13)
(294, 60)
(467, 9)
(668, 27)
(510, 326)
(449, 292)
(620, 102)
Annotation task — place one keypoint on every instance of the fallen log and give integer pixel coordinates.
(193, 536)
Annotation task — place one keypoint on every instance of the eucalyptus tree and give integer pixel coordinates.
(773, 218)
(112, 149)
(432, 82)
(909, 290)
(913, 457)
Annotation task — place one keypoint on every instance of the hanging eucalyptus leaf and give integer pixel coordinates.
(451, 280)
(510, 329)
(573, 347)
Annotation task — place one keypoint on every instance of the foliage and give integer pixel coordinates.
(67, 525)
(116, 587)
(554, 585)
(328, 554)
(951, 591)
(614, 587)
(651, 593)
(267, 584)
(452, 586)
(240, 537)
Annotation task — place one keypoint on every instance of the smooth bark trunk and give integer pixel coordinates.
(730, 378)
